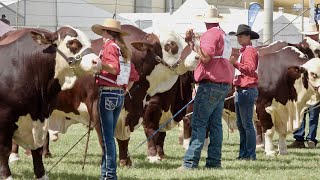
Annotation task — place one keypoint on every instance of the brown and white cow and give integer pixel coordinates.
(162, 62)
(35, 65)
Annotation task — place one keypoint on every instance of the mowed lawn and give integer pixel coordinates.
(299, 164)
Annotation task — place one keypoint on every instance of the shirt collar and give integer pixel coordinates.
(244, 47)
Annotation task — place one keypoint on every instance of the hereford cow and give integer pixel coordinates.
(162, 61)
(35, 65)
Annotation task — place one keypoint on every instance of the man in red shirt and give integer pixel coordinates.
(246, 82)
(214, 74)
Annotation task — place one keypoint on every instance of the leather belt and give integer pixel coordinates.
(110, 88)
(209, 81)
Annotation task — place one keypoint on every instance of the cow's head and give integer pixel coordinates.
(311, 45)
(176, 53)
(307, 80)
(74, 56)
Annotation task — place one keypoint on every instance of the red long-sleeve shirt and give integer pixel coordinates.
(110, 56)
(247, 66)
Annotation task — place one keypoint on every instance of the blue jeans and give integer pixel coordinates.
(313, 125)
(110, 105)
(207, 113)
(244, 106)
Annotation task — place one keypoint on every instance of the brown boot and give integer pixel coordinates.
(297, 144)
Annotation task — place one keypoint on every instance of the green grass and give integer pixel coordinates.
(299, 164)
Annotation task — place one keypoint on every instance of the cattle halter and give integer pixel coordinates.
(72, 60)
(176, 64)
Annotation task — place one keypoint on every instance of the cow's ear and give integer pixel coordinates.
(43, 37)
(142, 46)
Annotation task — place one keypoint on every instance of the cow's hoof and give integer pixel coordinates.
(47, 155)
(125, 163)
(54, 137)
(162, 157)
(271, 154)
(45, 177)
(28, 153)
(260, 146)
(283, 153)
(9, 178)
(154, 159)
(14, 157)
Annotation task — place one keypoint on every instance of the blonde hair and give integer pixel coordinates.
(125, 51)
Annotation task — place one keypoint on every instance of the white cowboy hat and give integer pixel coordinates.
(310, 29)
(108, 24)
(210, 16)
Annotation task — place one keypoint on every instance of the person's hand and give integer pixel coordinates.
(233, 60)
(189, 35)
(204, 57)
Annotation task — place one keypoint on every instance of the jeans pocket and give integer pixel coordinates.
(111, 103)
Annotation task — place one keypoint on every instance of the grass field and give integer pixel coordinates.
(299, 164)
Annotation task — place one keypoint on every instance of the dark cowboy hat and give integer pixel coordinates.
(245, 29)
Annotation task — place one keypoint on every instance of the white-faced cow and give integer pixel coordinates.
(35, 66)
(161, 60)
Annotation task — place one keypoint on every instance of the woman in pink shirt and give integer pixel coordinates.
(117, 75)
(246, 82)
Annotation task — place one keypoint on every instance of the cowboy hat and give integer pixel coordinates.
(310, 29)
(108, 24)
(210, 16)
(245, 29)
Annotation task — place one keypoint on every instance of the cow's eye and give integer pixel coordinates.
(314, 75)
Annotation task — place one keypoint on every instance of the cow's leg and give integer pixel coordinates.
(38, 164)
(14, 156)
(282, 144)
(268, 142)
(46, 151)
(186, 132)
(152, 149)
(5, 149)
(124, 159)
(151, 120)
(160, 144)
(259, 138)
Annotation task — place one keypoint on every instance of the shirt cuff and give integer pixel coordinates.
(236, 65)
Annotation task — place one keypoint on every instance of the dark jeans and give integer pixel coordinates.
(244, 105)
(207, 112)
(313, 125)
(110, 105)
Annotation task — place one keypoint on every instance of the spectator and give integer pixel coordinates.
(3, 19)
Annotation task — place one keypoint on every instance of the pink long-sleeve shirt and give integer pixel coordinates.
(218, 69)
(247, 66)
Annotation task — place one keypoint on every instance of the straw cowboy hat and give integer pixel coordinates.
(108, 24)
(245, 29)
(210, 16)
(310, 29)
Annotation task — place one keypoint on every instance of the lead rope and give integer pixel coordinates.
(89, 127)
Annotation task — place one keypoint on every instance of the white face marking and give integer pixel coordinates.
(189, 63)
(161, 80)
(89, 64)
(30, 134)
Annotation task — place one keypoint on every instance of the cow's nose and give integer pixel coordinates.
(95, 61)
